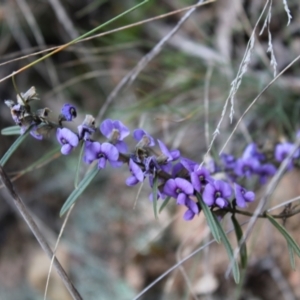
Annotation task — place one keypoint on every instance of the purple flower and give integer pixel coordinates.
(188, 164)
(151, 165)
(217, 192)
(243, 196)
(104, 152)
(170, 155)
(33, 132)
(167, 156)
(144, 139)
(137, 175)
(246, 166)
(200, 177)
(16, 113)
(180, 189)
(252, 152)
(177, 169)
(228, 160)
(87, 128)
(68, 139)
(115, 131)
(68, 112)
(264, 171)
(192, 210)
(283, 150)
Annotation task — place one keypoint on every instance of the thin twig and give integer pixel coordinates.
(35, 230)
(177, 265)
(256, 98)
(57, 49)
(55, 248)
(206, 103)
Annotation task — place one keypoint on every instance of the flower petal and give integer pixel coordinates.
(68, 111)
(208, 194)
(249, 196)
(121, 146)
(123, 130)
(69, 136)
(107, 127)
(192, 206)
(131, 181)
(101, 163)
(170, 188)
(91, 151)
(181, 199)
(136, 170)
(110, 151)
(195, 182)
(184, 185)
(140, 134)
(221, 202)
(66, 149)
(188, 215)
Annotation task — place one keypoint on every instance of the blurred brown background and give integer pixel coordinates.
(111, 250)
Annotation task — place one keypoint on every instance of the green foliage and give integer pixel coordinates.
(211, 221)
(292, 245)
(12, 130)
(226, 243)
(239, 235)
(154, 194)
(79, 190)
(14, 147)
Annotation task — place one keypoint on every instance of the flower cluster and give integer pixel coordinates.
(185, 180)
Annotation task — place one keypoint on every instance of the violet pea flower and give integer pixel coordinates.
(115, 131)
(68, 139)
(217, 192)
(104, 152)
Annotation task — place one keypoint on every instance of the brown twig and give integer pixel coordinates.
(35, 230)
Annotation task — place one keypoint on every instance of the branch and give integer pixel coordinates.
(35, 230)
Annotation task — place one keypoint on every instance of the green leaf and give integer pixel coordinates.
(78, 165)
(210, 219)
(235, 267)
(12, 130)
(292, 256)
(291, 242)
(14, 147)
(80, 189)
(154, 194)
(239, 235)
(164, 204)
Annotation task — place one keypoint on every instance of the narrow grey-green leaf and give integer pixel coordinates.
(164, 204)
(229, 250)
(80, 189)
(78, 165)
(12, 130)
(291, 256)
(239, 234)
(154, 195)
(13, 147)
(210, 219)
(286, 235)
